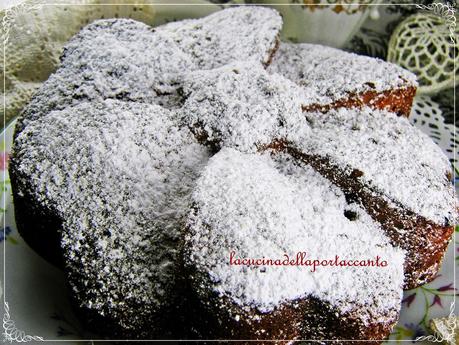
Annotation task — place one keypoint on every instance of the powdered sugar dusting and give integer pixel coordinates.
(113, 58)
(234, 34)
(128, 60)
(260, 207)
(240, 105)
(328, 74)
(119, 175)
(396, 159)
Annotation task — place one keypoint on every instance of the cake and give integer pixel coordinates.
(151, 151)
(333, 78)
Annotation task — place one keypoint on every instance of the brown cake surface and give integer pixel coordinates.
(332, 78)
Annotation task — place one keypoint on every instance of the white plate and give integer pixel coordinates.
(36, 295)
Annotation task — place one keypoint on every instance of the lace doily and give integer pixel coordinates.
(422, 44)
(427, 116)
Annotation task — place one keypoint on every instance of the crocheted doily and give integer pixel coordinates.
(422, 44)
(427, 116)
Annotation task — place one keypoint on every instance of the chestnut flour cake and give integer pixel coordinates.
(333, 78)
(154, 154)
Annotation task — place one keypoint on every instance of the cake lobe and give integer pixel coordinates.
(233, 34)
(328, 75)
(240, 105)
(112, 59)
(394, 157)
(263, 206)
(119, 176)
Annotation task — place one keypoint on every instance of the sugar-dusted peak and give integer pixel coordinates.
(240, 105)
(233, 34)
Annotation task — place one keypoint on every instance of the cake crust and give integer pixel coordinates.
(398, 101)
(332, 78)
